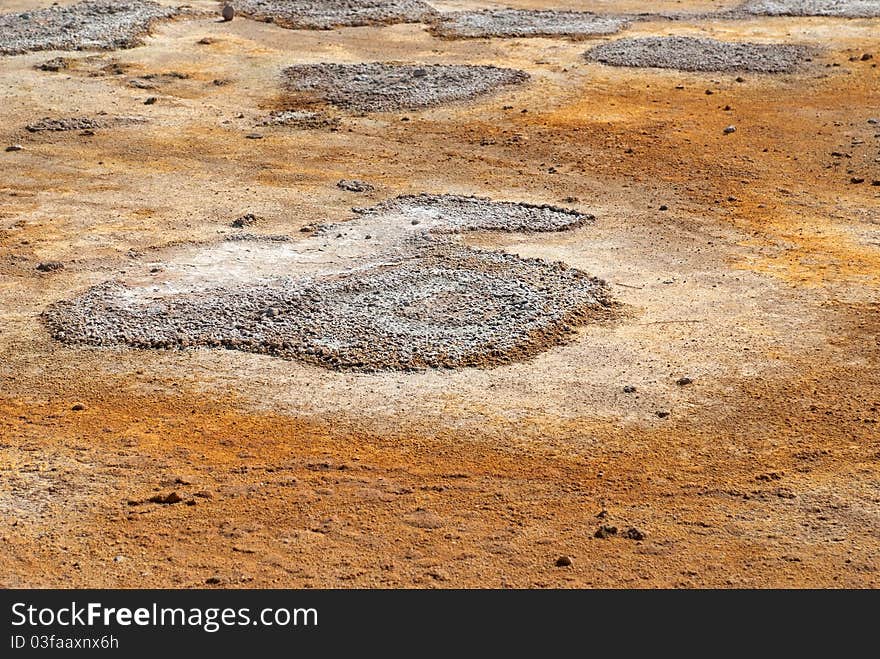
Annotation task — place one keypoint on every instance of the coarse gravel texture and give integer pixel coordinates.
(329, 14)
(524, 23)
(299, 119)
(448, 213)
(442, 306)
(840, 8)
(699, 54)
(64, 124)
(378, 87)
(88, 25)
(408, 295)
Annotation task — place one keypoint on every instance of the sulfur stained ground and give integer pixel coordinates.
(760, 282)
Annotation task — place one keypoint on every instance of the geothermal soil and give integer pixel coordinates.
(367, 307)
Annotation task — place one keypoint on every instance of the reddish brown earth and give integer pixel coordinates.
(761, 283)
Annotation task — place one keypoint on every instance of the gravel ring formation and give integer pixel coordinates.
(838, 8)
(524, 23)
(699, 54)
(329, 14)
(87, 25)
(378, 87)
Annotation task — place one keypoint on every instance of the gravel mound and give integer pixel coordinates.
(379, 87)
(842, 8)
(698, 54)
(87, 25)
(524, 23)
(328, 14)
(454, 213)
(444, 306)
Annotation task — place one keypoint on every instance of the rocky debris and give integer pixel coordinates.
(228, 12)
(62, 124)
(246, 220)
(840, 8)
(632, 533)
(699, 54)
(78, 407)
(416, 299)
(605, 531)
(682, 382)
(50, 266)
(629, 389)
(86, 25)
(329, 14)
(166, 499)
(445, 306)
(564, 561)
(353, 185)
(662, 414)
(456, 213)
(70, 123)
(302, 119)
(376, 87)
(524, 23)
(254, 136)
(14, 147)
(54, 65)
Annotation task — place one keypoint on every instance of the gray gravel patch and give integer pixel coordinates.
(841, 8)
(300, 119)
(411, 297)
(454, 213)
(88, 25)
(699, 54)
(329, 14)
(63, 124)
(376, 87)
(524, 23)
(445, 306)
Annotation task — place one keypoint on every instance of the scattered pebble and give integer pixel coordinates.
(246, 220)
(353, 185)
(151, 100)
(564, 561)
(166, 499)
(14, 147)
(729, 129)
(228, 13)
(50, 266)
(605, 531)
(632, 533)
(629, 389)
(681, 382)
